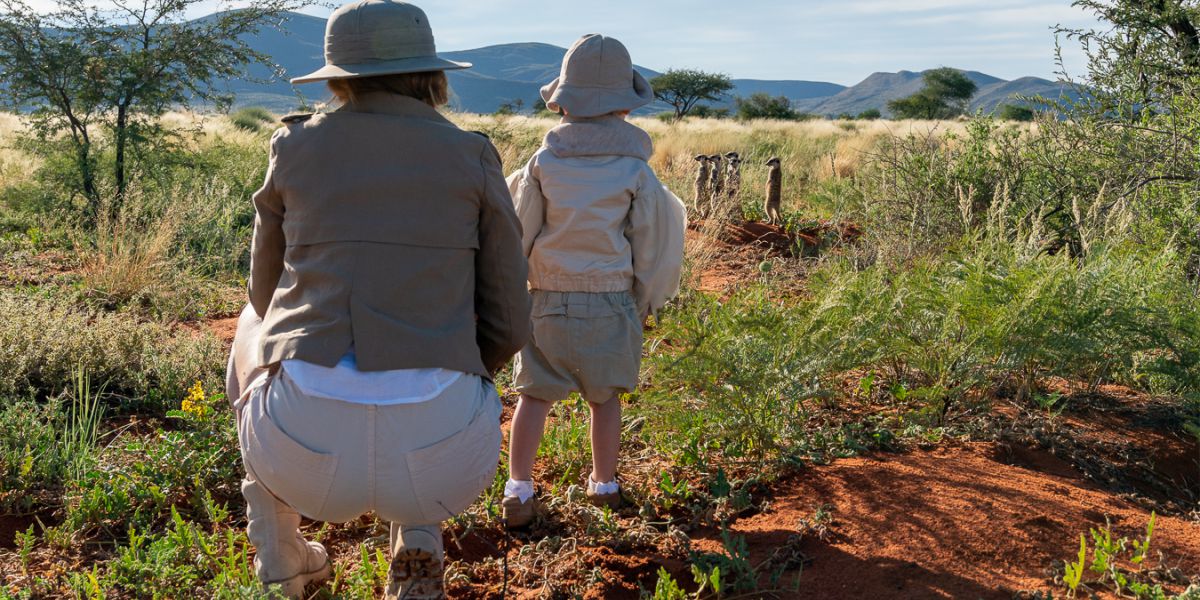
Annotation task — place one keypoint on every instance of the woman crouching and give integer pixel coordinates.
(389, 277)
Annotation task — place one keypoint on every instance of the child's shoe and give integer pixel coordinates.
(604, 494)
(417, 564)
(519, 504)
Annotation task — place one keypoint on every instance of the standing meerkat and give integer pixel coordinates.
(774, 191)
(733, 176)
(700, 200)
(716, 181)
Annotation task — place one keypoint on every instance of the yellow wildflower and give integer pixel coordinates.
(194, 402)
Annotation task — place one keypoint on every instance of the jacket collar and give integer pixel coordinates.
(601, 136)
(387, 103)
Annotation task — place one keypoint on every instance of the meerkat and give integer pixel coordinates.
(701, 198)
(774, 191)
(733, 177)
(716, 180)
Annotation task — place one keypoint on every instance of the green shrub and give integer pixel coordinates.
(186, 468)
(252, 118)
(751, 377)
(44, 341)
(1013, 112)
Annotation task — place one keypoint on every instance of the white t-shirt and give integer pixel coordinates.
(345, 382)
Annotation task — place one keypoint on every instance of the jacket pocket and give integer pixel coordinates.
(298, 476)
(449, 475)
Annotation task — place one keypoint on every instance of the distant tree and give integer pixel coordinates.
(684, 88)
(707, 112)
(844, 117)
(762, 105)
(541, 110)
(870, 114)
(113, 67)
(1013, 112)
(512, 107)
(947, 94)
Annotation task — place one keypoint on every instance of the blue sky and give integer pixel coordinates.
(841, 41)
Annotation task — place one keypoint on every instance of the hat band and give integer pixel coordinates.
(380, 45)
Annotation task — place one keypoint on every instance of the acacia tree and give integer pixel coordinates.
(1140, 98)
(683, 88)
(104, 73)
(947, 93)
(762, 105)
(1136, 120)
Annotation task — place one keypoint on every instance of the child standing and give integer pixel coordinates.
(604, 239)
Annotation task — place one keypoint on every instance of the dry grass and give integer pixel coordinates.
(16, 167)
(131, 261)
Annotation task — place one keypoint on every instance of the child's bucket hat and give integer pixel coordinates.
(597, 78)
(378, 37)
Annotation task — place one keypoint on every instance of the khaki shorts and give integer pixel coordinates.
(583, 342)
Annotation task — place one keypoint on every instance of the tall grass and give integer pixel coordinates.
(77, 441)
(745, 378)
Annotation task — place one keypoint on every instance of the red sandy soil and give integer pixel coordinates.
(977, 520)
(956, 522)
(732, 253)
(223, 328)
(953, 522)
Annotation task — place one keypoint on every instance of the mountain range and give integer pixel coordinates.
(505, 73)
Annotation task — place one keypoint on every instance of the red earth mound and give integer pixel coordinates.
(949, 523)
(728, 254)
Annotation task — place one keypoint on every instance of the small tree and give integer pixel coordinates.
(512, 107)
(83, 68)
(870, 114)
(1013, 112)
(763, 106)
(947, 93)
(683, 88)
(705, 111)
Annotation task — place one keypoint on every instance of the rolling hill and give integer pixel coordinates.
(508, 72)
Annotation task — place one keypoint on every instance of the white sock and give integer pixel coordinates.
(523, 490)
(607, 487)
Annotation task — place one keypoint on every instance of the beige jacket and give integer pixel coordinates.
(595, 216)
(385, 226)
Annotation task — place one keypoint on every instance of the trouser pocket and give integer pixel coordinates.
(298, 476)
(449, 475)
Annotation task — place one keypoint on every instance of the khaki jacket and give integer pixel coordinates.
(385, 226)
(595, 216)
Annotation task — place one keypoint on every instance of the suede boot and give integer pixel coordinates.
(282, 556)
(417, 560)
(517, 514)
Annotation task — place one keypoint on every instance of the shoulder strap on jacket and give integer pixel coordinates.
(297, 118)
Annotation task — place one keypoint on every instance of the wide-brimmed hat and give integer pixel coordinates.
(378, 37)
(597, 78)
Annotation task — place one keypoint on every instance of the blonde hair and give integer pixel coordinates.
(430, 87)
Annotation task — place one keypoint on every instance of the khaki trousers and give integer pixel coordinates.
(412, 464)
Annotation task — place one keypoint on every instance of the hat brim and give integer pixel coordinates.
(383, 67)
(581, 101)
